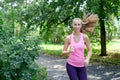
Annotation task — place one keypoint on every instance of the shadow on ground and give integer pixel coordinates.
(57, 71)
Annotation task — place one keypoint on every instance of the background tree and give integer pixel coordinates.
(70, 9)
(51, 16)
(104, 9)
(55, 17)
(17, 53)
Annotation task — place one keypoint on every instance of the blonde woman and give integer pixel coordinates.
(77, 62)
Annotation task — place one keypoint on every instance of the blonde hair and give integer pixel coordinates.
(76, 19)
(90, 21)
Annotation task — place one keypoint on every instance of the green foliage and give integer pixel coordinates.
(17, 56)
(55, 16)
(51, 49)
(109, 7)
(46, 17)
(52, 52)
(107, 11)
(69, 9)
(108, 60)
(17, 53)
(53, 19)
(104, 9)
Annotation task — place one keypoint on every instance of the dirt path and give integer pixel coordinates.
(57, 71)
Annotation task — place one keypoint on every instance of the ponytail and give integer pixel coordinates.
(89, 22)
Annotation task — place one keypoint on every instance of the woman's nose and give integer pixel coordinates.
(77, 26)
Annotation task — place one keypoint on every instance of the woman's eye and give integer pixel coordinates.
(77, 24)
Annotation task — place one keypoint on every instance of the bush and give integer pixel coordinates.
(17, 60)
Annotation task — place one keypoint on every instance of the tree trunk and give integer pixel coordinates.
(103, 38)
(102, 29)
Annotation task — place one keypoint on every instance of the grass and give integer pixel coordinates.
(52, 49)
(113, 46)
(113, 52)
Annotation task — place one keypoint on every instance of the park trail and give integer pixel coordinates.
(57, 71)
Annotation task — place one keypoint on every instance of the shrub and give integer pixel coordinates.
(17, 60)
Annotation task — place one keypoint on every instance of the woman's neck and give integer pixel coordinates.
(76, 33)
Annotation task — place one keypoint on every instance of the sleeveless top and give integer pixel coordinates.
(76, 58)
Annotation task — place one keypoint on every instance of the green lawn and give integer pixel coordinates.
(113, 46)
(52, 49)
(113, 51)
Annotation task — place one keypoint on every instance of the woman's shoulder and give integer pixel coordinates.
(68, 37)
(85, 36)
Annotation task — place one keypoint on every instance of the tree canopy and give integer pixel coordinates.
(55, 16)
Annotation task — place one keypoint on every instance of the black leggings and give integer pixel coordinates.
(76, 73)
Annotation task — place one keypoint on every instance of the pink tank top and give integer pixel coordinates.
(76, 58)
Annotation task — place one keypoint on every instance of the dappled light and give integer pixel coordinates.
(57, 71)
(103, 72)
(33, 34)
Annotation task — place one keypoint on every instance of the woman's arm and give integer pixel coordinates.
(65, 50)
(87, 43)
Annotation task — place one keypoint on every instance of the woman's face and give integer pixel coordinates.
(77, 25)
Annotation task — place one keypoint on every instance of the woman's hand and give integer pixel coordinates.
(86, 62)
(71, 50)
(66, 53)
